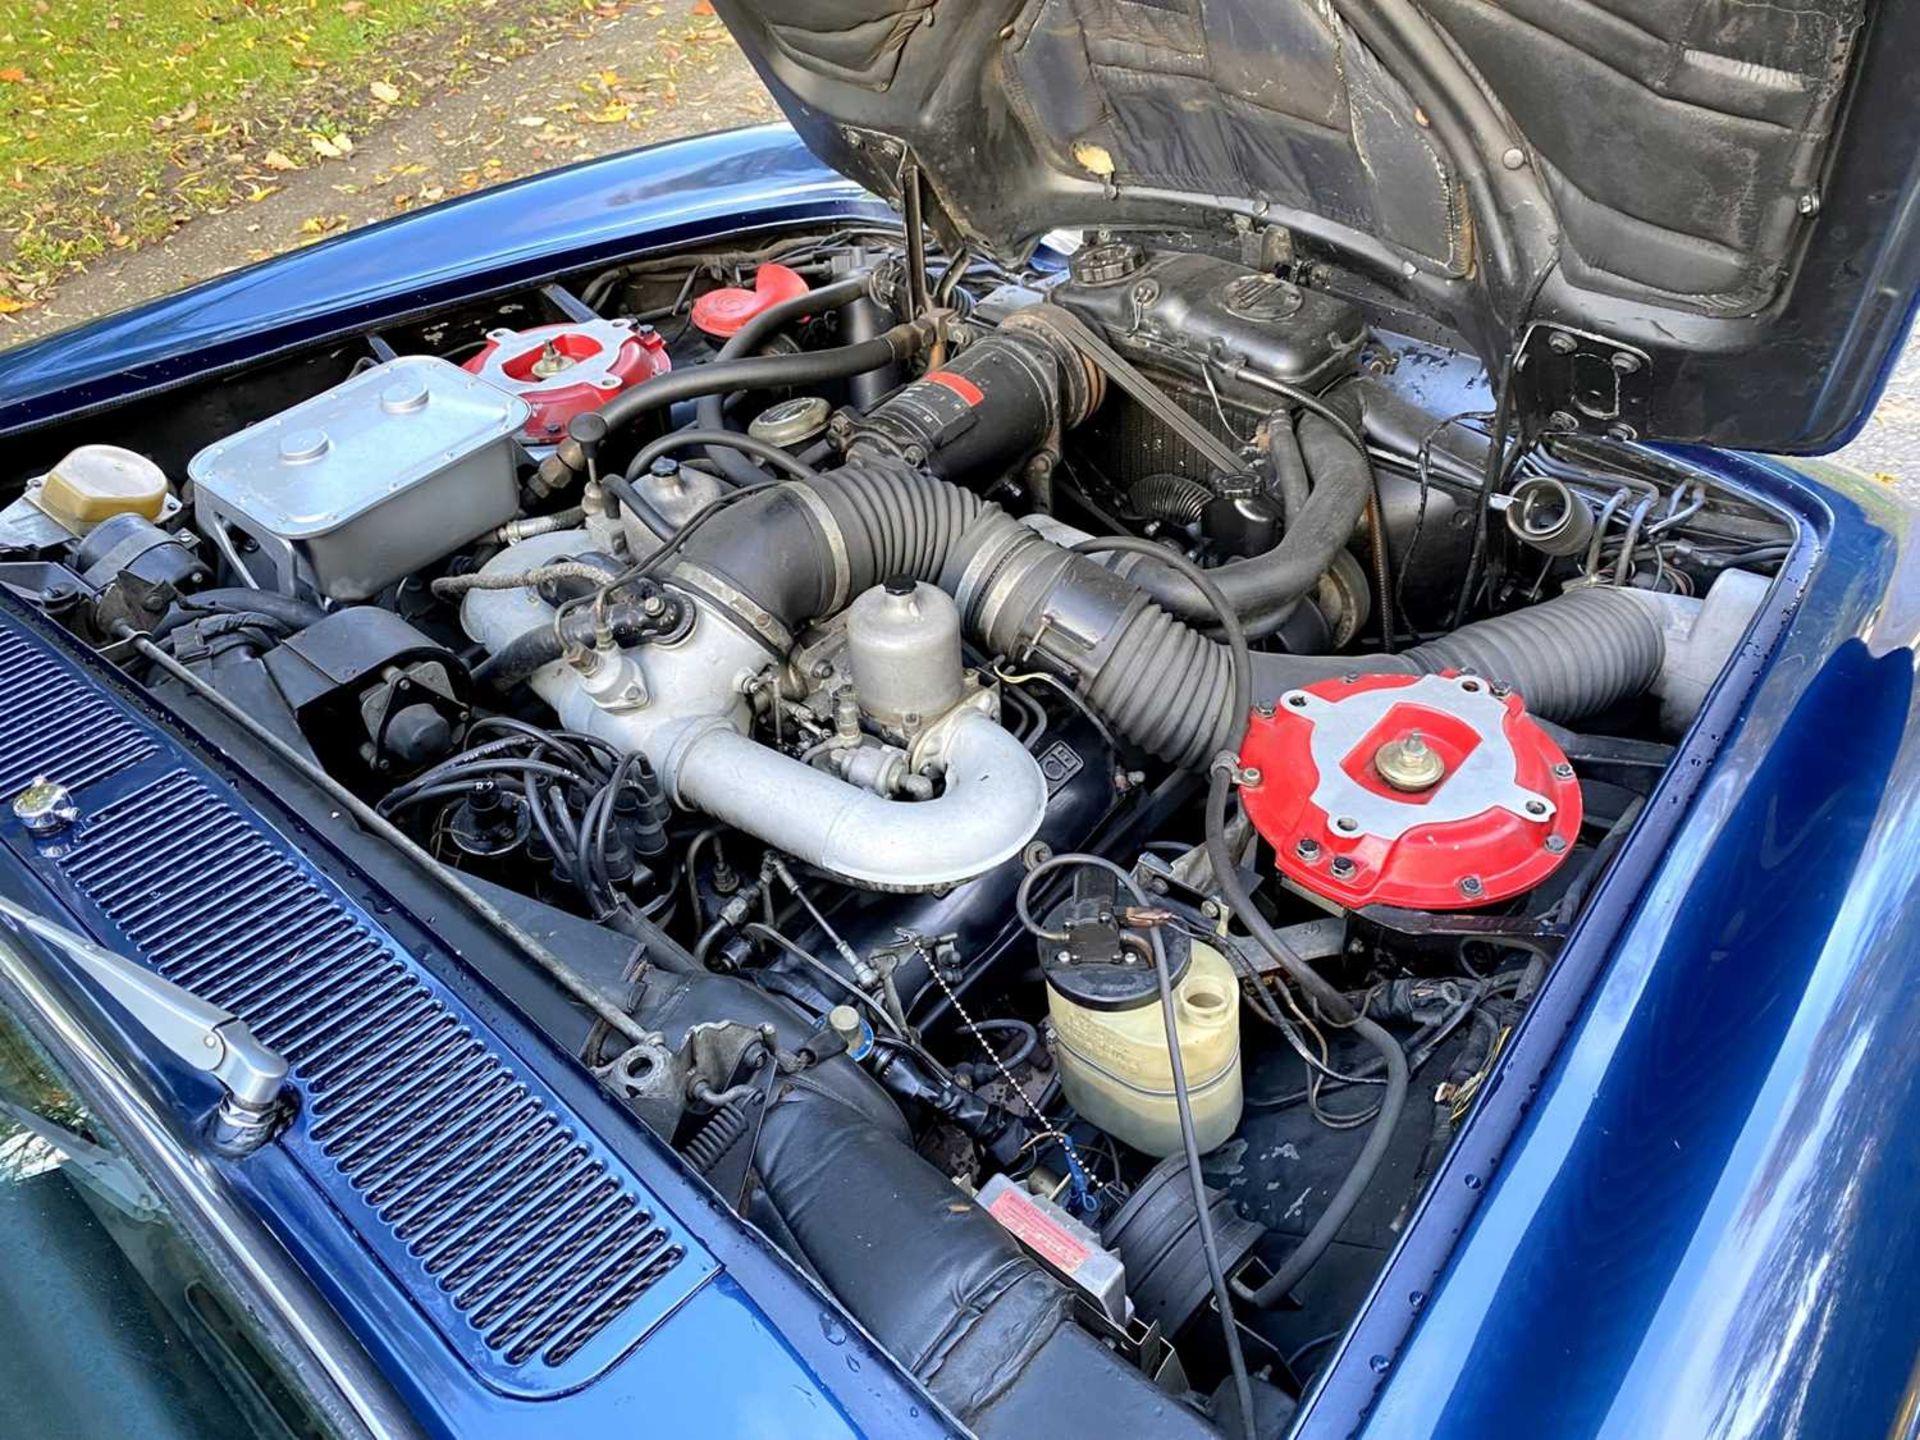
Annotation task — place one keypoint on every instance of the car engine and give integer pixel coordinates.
(1074, 771)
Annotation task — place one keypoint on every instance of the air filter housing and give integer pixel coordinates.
(1431, 792)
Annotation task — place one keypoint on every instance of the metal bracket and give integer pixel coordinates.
(197, 1031)
(1574, 381)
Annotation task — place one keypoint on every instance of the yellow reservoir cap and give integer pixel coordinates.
(97, 482)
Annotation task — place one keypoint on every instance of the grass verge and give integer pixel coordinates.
(121, 119)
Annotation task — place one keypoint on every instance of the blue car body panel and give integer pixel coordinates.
(156, 805)
(1682, 1205)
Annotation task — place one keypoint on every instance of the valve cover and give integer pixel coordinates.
(1431, 792)
(563, 370)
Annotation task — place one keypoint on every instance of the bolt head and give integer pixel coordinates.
(1563, 771)
(1307, 848)
(1625, 363)
(1470, 886)
(1250, 776)
(1514, 158)
(1342, 866)
(1561, 343)
(45, 807)
(1556, 843)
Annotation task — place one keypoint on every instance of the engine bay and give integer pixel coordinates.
(1115, 743)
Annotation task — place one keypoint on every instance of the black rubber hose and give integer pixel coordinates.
(1164, 685)
(1169, 497)
(1262, 587)
(717, 439)
(1183, 1106)
(1333, 1006)
(294, 614)
(761, 372)
(711, 412)
(1573, 655)
(1240, 655)
(1290, 481)
(520, 657)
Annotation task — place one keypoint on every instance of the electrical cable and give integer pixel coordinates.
(747, 444)
(1203, 1217)
(1335, 1007)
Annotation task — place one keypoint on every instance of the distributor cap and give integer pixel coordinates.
(1432, 792)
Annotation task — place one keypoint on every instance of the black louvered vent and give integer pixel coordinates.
(537, 1239)
(52, 722)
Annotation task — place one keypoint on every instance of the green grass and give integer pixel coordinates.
(119, 120)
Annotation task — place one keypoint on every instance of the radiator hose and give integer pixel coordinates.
(1263, 589)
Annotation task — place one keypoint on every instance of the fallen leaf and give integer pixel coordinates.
(13, 75)
(531, 121)
(275, 160)
(385, 93)
(1095, 159)
(10, 306)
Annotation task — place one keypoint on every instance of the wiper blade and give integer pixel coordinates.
(199, 1032)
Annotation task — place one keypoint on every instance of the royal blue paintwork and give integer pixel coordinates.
(492, 240)
(750, 1348)
(1682, 1207)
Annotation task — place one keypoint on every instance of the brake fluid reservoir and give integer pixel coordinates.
(1111, 1043)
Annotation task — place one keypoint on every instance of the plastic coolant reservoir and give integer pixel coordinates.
(1112, 1049)
(97, 482)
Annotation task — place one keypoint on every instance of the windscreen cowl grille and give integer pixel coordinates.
(532, 1247)
(53, 723)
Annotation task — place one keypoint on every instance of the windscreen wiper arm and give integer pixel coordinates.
(197, 1031)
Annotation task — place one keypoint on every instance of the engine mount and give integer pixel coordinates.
(1435, 792)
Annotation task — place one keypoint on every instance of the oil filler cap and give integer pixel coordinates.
(1431, 792)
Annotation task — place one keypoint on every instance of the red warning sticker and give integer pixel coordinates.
(1038, 1231)
(958, 384)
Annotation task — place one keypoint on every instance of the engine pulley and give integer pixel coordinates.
(566, 369)
(1433, 792)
